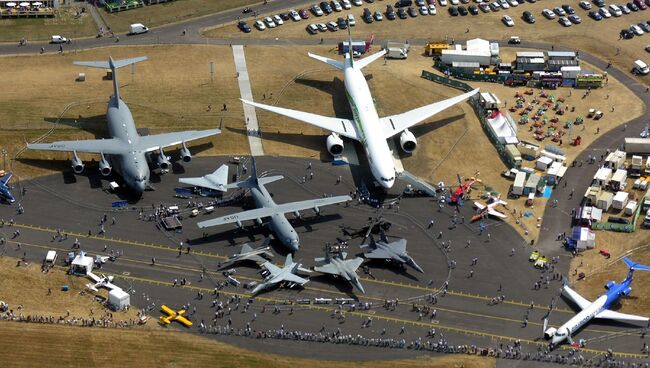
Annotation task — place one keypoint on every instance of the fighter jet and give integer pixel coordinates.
(267, 208)
(278, 275)
(215, 181)
(5, 193)
(125, 150)
(248, 254)
(336, 264)
(390, 251)
(489, 209)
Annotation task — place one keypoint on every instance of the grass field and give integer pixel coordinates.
(174, 11)
(65, 23)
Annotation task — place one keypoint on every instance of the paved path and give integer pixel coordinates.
(254, 140)
(99, 20)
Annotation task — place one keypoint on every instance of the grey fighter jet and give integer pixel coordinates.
(336, 264)
(215, 181)
(125, 151)
(390, 251)
(267, 208)
(249, 254)
(284, 274)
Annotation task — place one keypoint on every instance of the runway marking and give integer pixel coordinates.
(254, 140)
(373, 315)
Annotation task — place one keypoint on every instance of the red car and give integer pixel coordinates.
(641, 4)
(303, 14)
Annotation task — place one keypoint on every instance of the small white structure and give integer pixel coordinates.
(605, 201)
(620, 200)
(477, 50)
(520, 181)
(603, 176)
(532, 183)
(570, 72)
(615, 160)
(593, 193)
(543, 163)
(554, 156)
(82, 265)
(556, 171)
(118, 299)
(503, 127)
(630, 208)
(583, 237)
(489, 100)
(591, 214)
(528, 149)
(618, 179)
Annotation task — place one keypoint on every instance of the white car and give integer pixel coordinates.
(604, 12)
(278, 20)
(424, 10)
(260, 25)
(548, 13)
(586, 5)
(351, 21)
(317, 10)
(636, 29)
(454, 2)
(504, 4)
(337, 6)
(559, 11)
(269, 22)
(346, 4)
(294, 15)
(432, 9)
(357, 2)
(507, 20)
(322, 27)
(615, 10)
(442, 2)
(565, 21)
(513, 3)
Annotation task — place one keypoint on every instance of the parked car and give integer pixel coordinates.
(327, 8)
(599, 3)
(346, 4)
(585, 5)
(303, 14)
(357, 2)
(260, 25)
(641, 4)
(269, 22)
(401, 13)
(378, 16)
(294, 15)
(615, 10)
(403, 3)
(462, 10)
(332, 26)
(243, 27)
(322, 27)
(504, 4)
(604, 12)
(507, 20)
(312, 29)
(424, 10)
(565, 22)
(548, 13)
(412, 12)
(278, 20)
(453, 11)
(317, 10)
(624, 9)
(432, 10)
(636, 29)
(568, 9)
(495, 7)
(342, 23)
(285, 16)
(559, 11)
(528, 17)
(351, 21)
(513, 3)
(485, 7)
(647, 48)
(645, 27)
(627, 34)
(442, 2)
(595, 15)
(473, 9)
(390, 12)
(575, 19)
(632, 7)
(336, 6)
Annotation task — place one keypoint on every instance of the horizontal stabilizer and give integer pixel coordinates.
(360, 64)
(635, 266)
(335, 63)
(107, 64)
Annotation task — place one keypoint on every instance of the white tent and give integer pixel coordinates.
(583, 237)
(503, 127)
(82, 264)
(118, 299)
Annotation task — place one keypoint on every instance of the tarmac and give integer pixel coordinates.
(465, 314)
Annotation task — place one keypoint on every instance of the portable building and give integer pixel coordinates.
(476, 50)
(489, 100)
(543, 163)
(82, 264)
(583, 238)
(646, 169)
(592, 194)
(561, 55)
(518, 186)
(637, 145)
(118, 299)
(646, 200)
(620, 200)
(532, 184)
(554, 156)
(513, 153)
(618, 179)
(528, 150)
(556, 172)
(570, 72)
(630, 207)
(615, 160)
(603, 176)
(557, 65)
(636, 166)
(605, 201)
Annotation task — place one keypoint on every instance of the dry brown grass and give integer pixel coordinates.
(166, 94)
(64, 346)
(65, 23)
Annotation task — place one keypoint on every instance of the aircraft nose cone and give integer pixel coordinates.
(139, 186)
(293, 244)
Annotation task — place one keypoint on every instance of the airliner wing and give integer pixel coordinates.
(150, 143)
(397, 123)
(496, 213)
(344, 127)
(576, 298)
(216, 181)
(108, 146)
(270, 211)
(609, 314)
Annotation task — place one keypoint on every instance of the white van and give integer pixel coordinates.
(138, 28)
(640, 68)
(58, 39)
(615, 10)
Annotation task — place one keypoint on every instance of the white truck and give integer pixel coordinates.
(637, 145)
(138, 28)
(397, 50)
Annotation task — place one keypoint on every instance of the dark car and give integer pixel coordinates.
(453, 11)
(568, 9)
(367, 15)
(599, 3)
(473, 9)
(462, 10)
(528, 17)
(343, 24)
(401, 13)
(644, 26)
(285, 16)
(390, 13)
(575, 19)
(627, 34)
(412, 12)
(403, 3)
(303, 13)
(532, 1)
(595, 15)
(326, 7)
(243, 27)
(632, 7)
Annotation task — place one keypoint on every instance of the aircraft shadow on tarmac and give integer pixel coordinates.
(338, 282)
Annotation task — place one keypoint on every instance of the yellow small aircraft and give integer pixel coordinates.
(172, 315)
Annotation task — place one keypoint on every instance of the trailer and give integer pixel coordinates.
(605, 201)
(532, 184)
(615, 160)
(397, 50)
(631, 207)
(618, 180)
(514, 154)
(636, 166)
(620, 200)
(518, 186)
(637, 145)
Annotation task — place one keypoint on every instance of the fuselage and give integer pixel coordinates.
(278, 223)
(132, 165)
(366, 122)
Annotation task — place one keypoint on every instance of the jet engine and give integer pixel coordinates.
(549, 333)
(627, 291)
(334, 144)
(163, 161)
(407, 141)
(104, 167)
(186, 156)
(610, 284)
(77, 164)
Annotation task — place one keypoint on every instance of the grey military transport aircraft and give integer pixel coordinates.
(267, 208)
(126, 151)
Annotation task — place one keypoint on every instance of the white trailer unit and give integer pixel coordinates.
(620, 200)
(543, 163)
(397, 50)
(605, 201)
(636, 166)
(637, 145)
(618, 179)
(532, 183)
(118, 299)
(603, 176)
(518, 186)
(615, 160)
(630, 208)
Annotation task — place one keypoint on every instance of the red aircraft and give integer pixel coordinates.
(462, 189)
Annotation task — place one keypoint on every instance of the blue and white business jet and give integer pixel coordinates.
(597, 309)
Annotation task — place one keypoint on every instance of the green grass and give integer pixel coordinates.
(65, 23)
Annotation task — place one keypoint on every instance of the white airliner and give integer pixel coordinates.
(367, 127)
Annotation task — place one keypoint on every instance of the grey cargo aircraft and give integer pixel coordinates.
(125, 151)
(267, 208)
